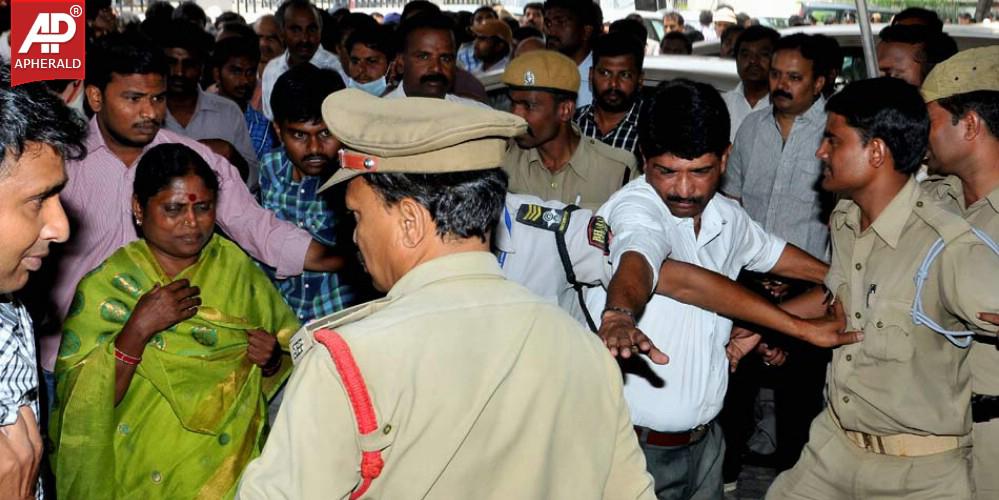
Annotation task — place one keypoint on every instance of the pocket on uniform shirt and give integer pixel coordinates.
(887, 334)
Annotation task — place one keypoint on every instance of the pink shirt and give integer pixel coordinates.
(98, 202)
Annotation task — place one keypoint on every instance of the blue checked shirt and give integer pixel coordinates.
(466, 58)
(312, 294)
(261, 133)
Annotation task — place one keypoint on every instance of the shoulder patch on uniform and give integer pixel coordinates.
(300, 344)
(598, 233)
(542, 217)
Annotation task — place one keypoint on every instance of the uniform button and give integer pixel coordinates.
(387, 429)
(919, 204)
(857, 315)
(880, 324)
(846, 399)
(849, 357)
(156, 476)
(554, 185)
(858, 266)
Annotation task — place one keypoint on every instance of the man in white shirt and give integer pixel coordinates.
(673, 211)
(753, 49)
(428, 60)
(301, 27)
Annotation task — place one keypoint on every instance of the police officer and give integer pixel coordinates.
(962, 96)
(459, 383)
(553, 160)
(898, 422)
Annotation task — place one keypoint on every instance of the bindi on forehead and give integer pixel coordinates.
(191, 197)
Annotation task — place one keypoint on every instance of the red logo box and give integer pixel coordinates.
(47, 40)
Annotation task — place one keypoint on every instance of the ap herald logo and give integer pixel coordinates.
(48, 39)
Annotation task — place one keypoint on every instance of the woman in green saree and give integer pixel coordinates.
(170, 351)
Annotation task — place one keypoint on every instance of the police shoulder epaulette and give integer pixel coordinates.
(303, 340)
(542, 217)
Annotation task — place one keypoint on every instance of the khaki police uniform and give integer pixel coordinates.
(898, 423)
(481, 389)
(595, 170)
(969, 71)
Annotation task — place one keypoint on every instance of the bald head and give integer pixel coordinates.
(527, 45)
(268, 30)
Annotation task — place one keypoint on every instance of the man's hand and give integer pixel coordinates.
(990, 317)
(741, 343)
(772, 356)
(827, 331)
(623, 338)
(20, 454)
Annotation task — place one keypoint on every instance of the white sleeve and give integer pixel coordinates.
(588, 259)
(636, 223)
(759, 249)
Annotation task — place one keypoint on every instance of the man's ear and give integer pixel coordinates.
(137, 210)
(415, 222)
(724, 159)
(820, 83)
(973, 125)
(878, 153)
(566, 110)
(95, 98)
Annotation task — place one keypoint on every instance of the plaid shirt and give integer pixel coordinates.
(623, 136)
(261, 133)
(18, 368)
(312, 294)
(466, 58)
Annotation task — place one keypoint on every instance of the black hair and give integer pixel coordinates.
(888, 109)
(685, 119)
(586, 12)
(985, 103)
(679, 18)
(419, 7)
(525, 32)
(242, 30)
(756, 33)
(228, 17)
(351, 23)
(631, 27)
(676, 35)
(461, 204)
(165, 162)
(536, 6)
(123, 54)
(811, 47)
(435, 22)
(705, 17)
(192, 13)
(236, 46)
(833, 56)
(299, 93)
(159, 11)
(32, 114)
(94, 7)
(734, 30)
(935, 47)
(180, 34)
(379, 38)
(619, 43)
(925, 17)
(297, 4)
(486, 8)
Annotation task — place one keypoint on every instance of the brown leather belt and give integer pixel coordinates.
(655, 438)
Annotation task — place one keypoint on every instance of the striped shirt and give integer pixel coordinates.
(312, 294)
(18, 368)
(623, 136)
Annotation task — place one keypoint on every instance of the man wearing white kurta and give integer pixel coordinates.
(673, 211)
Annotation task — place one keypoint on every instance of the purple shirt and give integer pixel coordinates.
(98, 202)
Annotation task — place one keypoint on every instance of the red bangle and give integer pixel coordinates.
(125, 358)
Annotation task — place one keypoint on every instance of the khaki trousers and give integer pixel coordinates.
(832, 468)
(985, 459)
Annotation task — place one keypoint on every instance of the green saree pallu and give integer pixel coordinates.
(195, 411)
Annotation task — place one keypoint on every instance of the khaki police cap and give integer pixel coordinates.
(414, 135)
(967, 71)
(542, 70)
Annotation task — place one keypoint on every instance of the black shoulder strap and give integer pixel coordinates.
(570, 274)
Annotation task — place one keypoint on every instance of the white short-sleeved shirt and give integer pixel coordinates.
(688, 391)
(528, 254)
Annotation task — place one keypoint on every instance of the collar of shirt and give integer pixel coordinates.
(712, 220)
(207, 103)
(588, 113)
(321, 59)
(815, 115)
(534, 157)
(449, 267)
(952, 187)
(764, 101)
(890, 222)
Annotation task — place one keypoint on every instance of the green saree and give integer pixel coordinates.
(195, 411)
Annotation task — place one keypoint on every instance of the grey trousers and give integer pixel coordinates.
(688, 472)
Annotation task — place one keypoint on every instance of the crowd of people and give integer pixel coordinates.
(311, 257)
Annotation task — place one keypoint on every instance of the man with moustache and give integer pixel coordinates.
(234, 63)
(301, 28)
(553, 161)
(466, 57)
(427, 59)
(193, 112)
(773, 171)
(290, 177)
(962, 95)
(271, 46)
(571, 27)
(126, 88)
(753, 50)
(910, 52)
(906, 270)
(672, 211)
(617, 79)
(534, 16)
(493, 45)
(38, 134)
